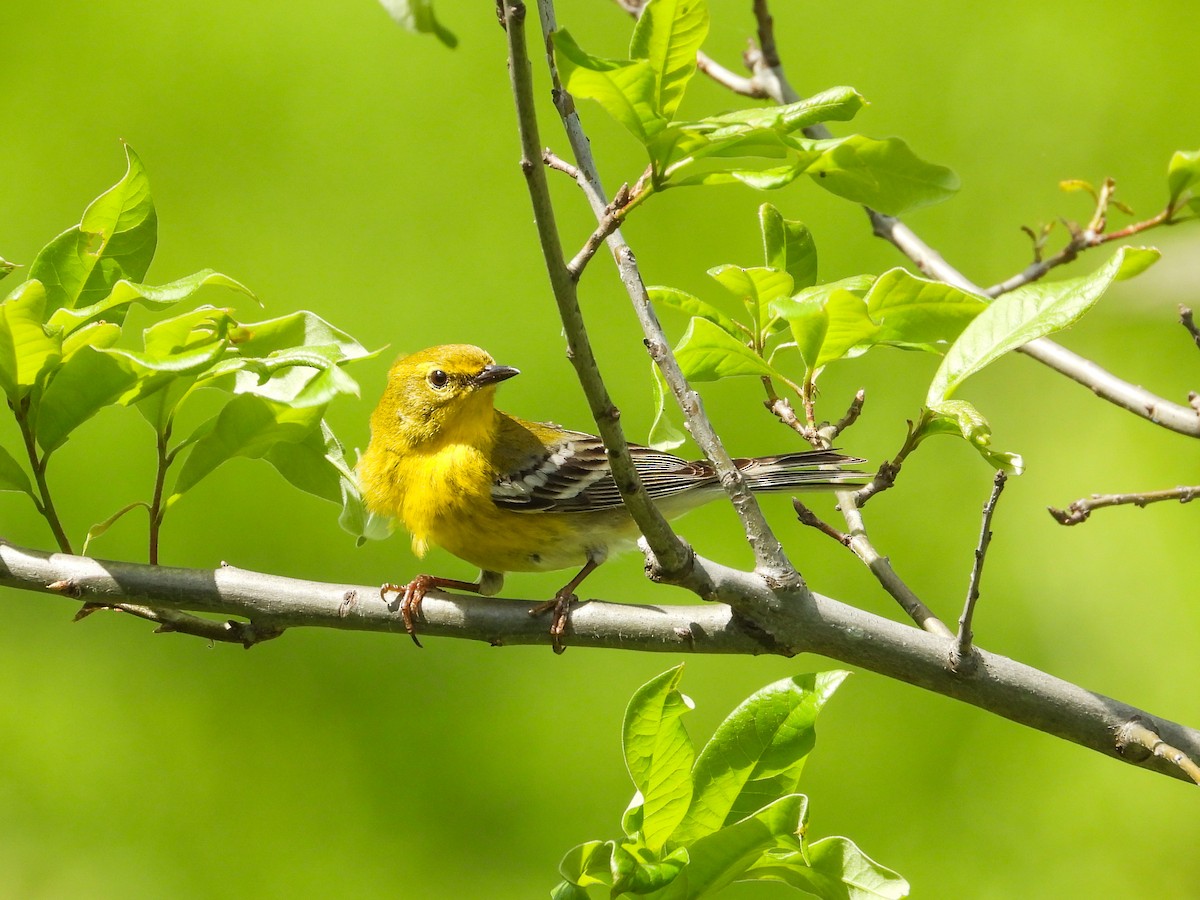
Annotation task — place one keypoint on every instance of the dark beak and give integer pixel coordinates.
(494, 374)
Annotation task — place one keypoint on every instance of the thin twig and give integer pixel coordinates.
(961, 656)
(770, 560)
(1082, 239)
(738, 84)
(1136, 733)
(673, 554)
(609, 222)
(825, 627)
(559, 164)
(812, 520)
(1186, 320)
(1080, 510)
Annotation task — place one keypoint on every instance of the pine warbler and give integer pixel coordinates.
(514, 496)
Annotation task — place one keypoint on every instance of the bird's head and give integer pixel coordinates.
(442, 393)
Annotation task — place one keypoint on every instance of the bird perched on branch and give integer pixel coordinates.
(514, 496)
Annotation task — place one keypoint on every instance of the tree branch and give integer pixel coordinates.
(801, 623)
(672, 553)
(770, 559)
(1080, 510)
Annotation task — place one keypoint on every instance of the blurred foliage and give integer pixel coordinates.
(339, 164)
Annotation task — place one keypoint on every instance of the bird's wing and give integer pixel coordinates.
(567, 471)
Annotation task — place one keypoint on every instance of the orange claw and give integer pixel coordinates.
(411, 595)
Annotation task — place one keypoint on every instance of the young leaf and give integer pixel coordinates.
(706, 353)
(12, 476)
(1029, 312)
(757, 287)
(115, 240)
(6, 267)
(918, 314)
(719, 858)
(806, 316)
(667, 35)
(588, 863)
(788, 246)
(156, 297)
(417, 16)
(26, 349)
(626, 89)
(884, 175)
(663, 434)
(836, 104)
(1182, 172)
(833, 868)
(958, 417)
(101, 527)
(246, 426)
(693, 306)
(659, 754)
(308, 464)
(757, 753)
(87, 382)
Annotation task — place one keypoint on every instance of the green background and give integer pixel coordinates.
(334, 162)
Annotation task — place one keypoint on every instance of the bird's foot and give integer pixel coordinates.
(411, 595)
(561, 604)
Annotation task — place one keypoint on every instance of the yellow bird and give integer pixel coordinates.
(513, 496)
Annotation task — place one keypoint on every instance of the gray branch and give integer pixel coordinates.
(791, 623)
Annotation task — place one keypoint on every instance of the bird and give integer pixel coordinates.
(510, 495)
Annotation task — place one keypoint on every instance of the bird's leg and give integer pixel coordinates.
(561, 604)
(414, 592)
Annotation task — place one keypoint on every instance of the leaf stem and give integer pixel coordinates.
(44, 503)
(157, 512)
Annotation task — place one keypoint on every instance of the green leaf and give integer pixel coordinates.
(564, 890)
(26, 349)
(1029, 312)
(12, 476)
(626, 89)
(706, 353)
(417, 16)
(757, 754)
(99, 335)
(157, 297)
(667, 35)
(918, 314)
(884, 175)
(829, 321)
(115, 240)
(693, 306)
(663, 433)
(719, 858)
(837, 104)
(757, 287)
(659, 754)
(832, 868)
(958, 417)
(87, 382)
(6, 267)
(309, 464)
(788, 246)
(101, 527)
(1182, 172)
(247, 426)
(588, 863)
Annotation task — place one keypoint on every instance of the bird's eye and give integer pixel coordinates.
(438, 378)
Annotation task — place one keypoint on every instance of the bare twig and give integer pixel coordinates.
(1186, 320)
(1136, 733)
(812, 520)
(824, 626)
(738, 84)
(1082, 239)
(559, 164)
(962, 651)
(672, 553)
(609, 222)
(1080, 510)
(770, 560)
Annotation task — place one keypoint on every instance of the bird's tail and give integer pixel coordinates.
(805, 470)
